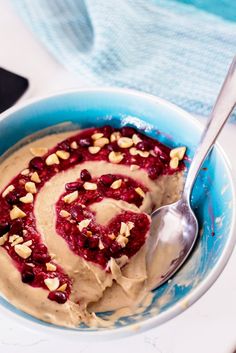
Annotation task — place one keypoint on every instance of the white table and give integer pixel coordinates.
(209, 326)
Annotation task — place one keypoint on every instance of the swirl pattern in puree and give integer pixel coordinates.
(74, 221)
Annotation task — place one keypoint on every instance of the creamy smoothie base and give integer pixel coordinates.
(74, 223)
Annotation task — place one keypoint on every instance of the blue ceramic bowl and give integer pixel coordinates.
(213, 196)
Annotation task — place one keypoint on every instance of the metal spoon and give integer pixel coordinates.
(174, 227)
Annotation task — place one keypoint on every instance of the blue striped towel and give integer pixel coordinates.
(178, 50)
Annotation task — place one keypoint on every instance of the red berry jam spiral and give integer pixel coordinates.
(76, 222)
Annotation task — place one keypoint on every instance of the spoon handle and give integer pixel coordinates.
(225, 103)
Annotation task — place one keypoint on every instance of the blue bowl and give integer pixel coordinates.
(213, 196)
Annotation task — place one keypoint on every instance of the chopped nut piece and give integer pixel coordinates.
(38, 151)
(94, 149)
(71, 197)
(3, 239)
(174, 163)
(52, 159)
(23, 250)
(122, 240)
(133, 151)
(125, 142)
(140, 192)
(97, 135)
(123, 227)
(35, 177)
(28, 243)
(24, 231)
(126, 228)
(127, 232)
(83, 224)
(74, 145)
(64, 214)
(50, 267)
(143, 154)
(25, 172)
(134, 167)
(101, 142)
(16, 212)
(100, 245)
(115, 157)
(136, 139)
(7, 190)
(90, 186)
(63, 154)
(130, 225)
(116, 184)
(52, 283)
(178, 152)
(15, 239)
(62, 288)
(30, 187)
(28, 198)
(115, 136)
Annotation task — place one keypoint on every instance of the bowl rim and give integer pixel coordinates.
(182, 304)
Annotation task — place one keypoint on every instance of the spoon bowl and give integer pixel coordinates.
(174, 227)
(177, 229)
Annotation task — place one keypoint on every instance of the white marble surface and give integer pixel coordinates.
(209, 326)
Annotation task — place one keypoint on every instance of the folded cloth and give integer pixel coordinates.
(171, 49)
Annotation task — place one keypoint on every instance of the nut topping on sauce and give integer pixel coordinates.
(83, 224)
(28, 198)
(7, 190)
(71, 197)
(125, 142)
(136, 139)
(101, 142)
(52, 283)
(94, 149)
(115, 136)
(97, 136)
(143, 154)
(116, 184)
(74, 145)
(140, 192)
(16, 212)
(35, 178)
(52, 159)
(64, 214)
(122, 240)
(62, 288)
(30, 187)
(115, 157)
(174, 163)
(178, 152)
(23, 250)
(90, 186)
(63, 155)
(50, 267)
